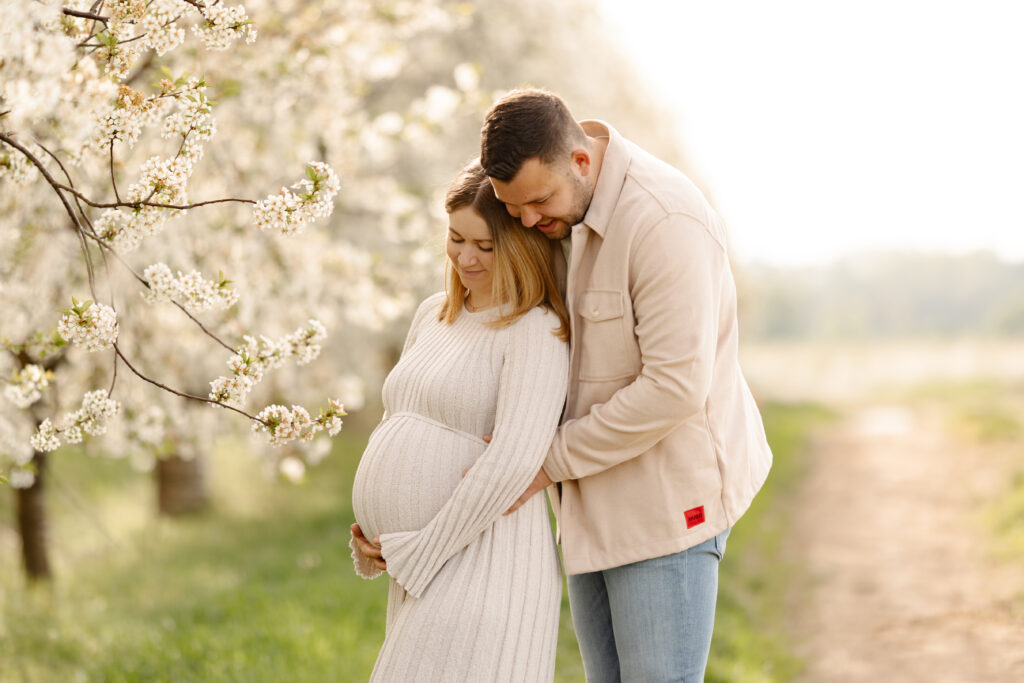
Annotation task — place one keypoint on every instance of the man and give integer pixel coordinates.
(661, 448)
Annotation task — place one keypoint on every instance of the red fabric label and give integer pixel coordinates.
(694, 517)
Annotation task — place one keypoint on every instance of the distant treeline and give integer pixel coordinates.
(885, 295)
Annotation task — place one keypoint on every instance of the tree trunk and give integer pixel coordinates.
(32, 524)
(181, 485)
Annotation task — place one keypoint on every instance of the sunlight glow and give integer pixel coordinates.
(822, 129)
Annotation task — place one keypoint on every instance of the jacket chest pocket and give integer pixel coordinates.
(605, 340)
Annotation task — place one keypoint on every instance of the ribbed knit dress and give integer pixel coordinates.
(474, 594)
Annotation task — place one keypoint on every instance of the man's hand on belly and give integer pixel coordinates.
(368, 549)
(539, 483)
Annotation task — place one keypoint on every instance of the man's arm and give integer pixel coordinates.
(676, 269)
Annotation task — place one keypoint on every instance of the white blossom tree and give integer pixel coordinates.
(96, 172)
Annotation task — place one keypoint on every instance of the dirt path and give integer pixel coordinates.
(902, 585)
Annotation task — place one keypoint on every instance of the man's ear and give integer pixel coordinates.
(581, 161)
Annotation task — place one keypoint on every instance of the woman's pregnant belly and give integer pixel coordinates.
(408, 471)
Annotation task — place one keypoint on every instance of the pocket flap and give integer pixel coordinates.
(598, 304)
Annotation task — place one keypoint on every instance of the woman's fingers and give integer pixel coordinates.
(371, 550)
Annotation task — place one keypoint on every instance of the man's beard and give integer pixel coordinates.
(581, 196)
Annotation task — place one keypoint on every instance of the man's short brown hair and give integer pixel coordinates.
(523, 124)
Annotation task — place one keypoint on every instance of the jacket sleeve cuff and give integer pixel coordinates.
(555, 465)
(364, 565)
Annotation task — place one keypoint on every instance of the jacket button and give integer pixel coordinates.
(594, 311)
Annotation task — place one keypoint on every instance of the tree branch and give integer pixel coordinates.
(82, 232)
(140, 204)
(113, 179)
(57, 187)
(85, 15)
(182, 394)
(104, 245)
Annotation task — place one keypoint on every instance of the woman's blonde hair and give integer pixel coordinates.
(522, 275)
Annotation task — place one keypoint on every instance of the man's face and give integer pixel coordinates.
(548, 197)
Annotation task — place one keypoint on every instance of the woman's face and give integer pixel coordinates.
(471, 251)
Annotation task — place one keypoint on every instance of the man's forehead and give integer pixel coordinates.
(531, 184)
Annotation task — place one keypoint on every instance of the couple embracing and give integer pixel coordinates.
(585, 343)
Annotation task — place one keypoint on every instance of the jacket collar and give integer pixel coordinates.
(612, 176)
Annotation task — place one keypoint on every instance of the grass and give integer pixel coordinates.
(993, 416)
(260, 588)
(988, 414)
(984, 410)
(749, 643)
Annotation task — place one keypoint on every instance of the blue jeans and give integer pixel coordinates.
(650, 621)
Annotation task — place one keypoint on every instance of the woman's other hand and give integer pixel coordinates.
(368, 549)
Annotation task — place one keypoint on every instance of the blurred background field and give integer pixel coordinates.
(260, 587)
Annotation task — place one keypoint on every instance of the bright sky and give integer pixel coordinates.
(825, 127)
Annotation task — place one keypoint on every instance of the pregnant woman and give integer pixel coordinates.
(474, 594)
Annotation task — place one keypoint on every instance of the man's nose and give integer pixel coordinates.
(529, 217)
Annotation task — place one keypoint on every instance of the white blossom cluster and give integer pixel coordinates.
(289, 212)
(157, 19)
(223, 26)
(125, 229)
(304, 343)
(26, 386)
(284, 424)
(93, 325)
(128, 11)
(193, 121)
(33, 63)
(120, 49)
(136, 26)
(191, 290)
(161, 180)
(258, 356)
(124, 121)
(97, 408)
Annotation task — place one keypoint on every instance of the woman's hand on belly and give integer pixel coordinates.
(368, 549)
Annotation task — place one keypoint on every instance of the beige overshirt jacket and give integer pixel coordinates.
(661, 445)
